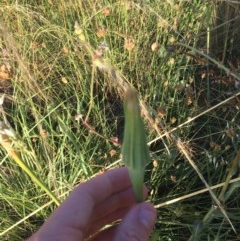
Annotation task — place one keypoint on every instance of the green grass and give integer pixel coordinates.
(65, 110)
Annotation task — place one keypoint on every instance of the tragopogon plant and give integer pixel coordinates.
(135, 152)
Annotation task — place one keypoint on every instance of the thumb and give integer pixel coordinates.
(137, 224)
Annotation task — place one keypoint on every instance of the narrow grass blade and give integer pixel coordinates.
(6, 135)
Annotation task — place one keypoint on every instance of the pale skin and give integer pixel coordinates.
(91, 205)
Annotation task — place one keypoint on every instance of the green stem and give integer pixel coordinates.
(34, 178)
(219, 65)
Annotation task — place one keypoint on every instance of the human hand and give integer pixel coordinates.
(95, 203)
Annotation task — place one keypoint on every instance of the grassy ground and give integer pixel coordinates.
(63, 98)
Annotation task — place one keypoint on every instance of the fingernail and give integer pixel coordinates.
(147, 217)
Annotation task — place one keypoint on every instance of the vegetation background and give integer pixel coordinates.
(61, 107)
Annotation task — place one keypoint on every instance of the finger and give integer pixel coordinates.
(78, 207)
(108, 219)
(75, 212)
(135, 226)
(112, 209)
(138, 223)
(106, 234)
(118, 200)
